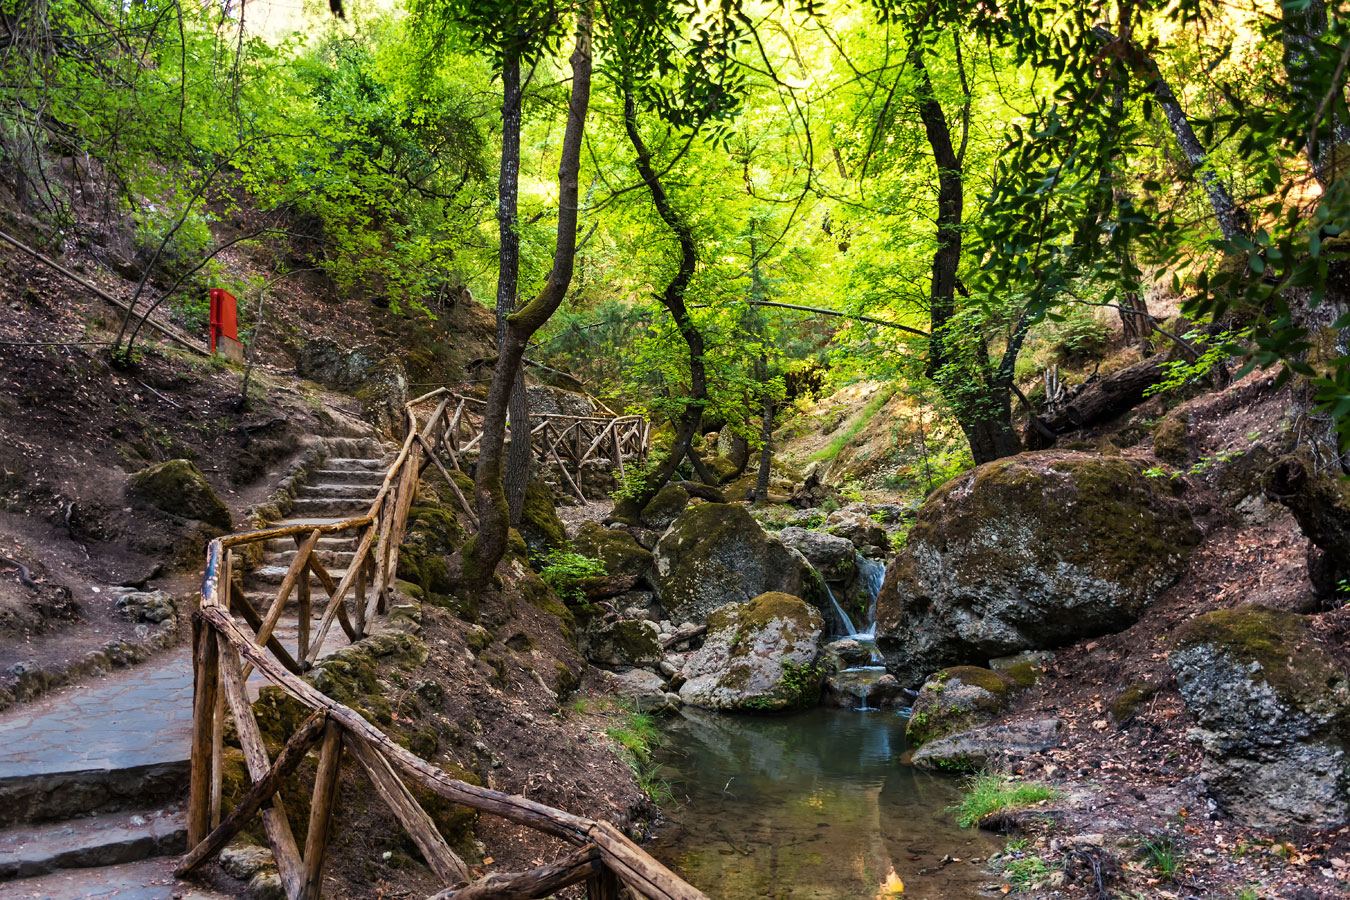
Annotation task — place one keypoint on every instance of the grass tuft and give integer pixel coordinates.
(831, 450)
(988, 793)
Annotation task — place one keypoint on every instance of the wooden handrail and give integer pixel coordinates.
(224, 653)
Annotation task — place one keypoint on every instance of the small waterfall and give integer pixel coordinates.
(848, 627)
(871, 573)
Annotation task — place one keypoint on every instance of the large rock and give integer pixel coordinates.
(383, 393)
(858, 527)
(1272, 708)
(539, 523)
(1027, 553)
(957, 699)
(994, 746)
(715, 554)
(618, 550)
(665, 507)
(329, 363)
(179, 488)
(830, 555)
(544, 399)
(620, 642)
(757, 656)
(646, 691)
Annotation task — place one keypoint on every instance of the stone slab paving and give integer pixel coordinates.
(151, 879)
(133, 717)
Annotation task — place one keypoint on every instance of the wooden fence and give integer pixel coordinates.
(569, 442)
(224, 654)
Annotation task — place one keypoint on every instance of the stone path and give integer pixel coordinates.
(93, 776)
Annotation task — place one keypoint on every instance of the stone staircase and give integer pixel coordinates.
(93, 778)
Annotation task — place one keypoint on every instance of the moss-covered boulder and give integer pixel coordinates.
(758, 656)
(432, 535)
(957, 699)
(665, 507)
(715, 554)
(1030, 552)
(543, 531)
(858, 527)
(618, 550)
(179, 488)
(1272, 707)
(613, 641)
(1171, 439)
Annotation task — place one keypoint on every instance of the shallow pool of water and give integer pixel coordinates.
(814, 805)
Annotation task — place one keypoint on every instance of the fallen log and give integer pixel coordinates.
(573, 868)
(702, 491)
(684, 633)
(1100, 401)
(1321, 506)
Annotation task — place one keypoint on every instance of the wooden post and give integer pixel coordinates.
(291, 756)
(604, 886)
(205, 689)
(412, 817)
(303, 601)
(276, 824)
(618, 453)
(321, 809)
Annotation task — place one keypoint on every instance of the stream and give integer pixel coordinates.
(812, 805)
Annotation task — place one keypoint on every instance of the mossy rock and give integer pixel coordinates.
(723, 469)
(539, 523)
(1130, 698)
(1171, 439)
(626, 642)
(617, 549)
(957, 699)
(759, 656)
(1279, 650)
(1272, 713)
(716, 553)
(178, 487)
(1034, 551)
(665, 507)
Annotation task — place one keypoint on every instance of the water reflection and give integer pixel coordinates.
(814, 805)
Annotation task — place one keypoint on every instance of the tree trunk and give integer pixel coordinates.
(1321, 506)
(1233, 219)
(672, 298)
(1134, 318)
(1301, 34)
(765, 452)
(986, 417)
(508, 278)
(484, 550)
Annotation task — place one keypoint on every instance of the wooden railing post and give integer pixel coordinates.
(205, 690)
(321, 809)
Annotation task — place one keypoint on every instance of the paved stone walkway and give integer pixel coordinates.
(151, 879)
(130, 718)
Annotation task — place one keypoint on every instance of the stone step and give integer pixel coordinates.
(116, 742)
(101, 840)
(373, 477)
(149, 879)
(340, 507)
(328, 489)
(332, 543)
(329, 558)
(355, 464)
(315, 520)
(275, 574)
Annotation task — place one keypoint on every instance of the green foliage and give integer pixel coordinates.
(1025, 872)
(638, 736)
(1210, 352)
(1162, 855)
(565, 571)
(863, 419)
(989, 793)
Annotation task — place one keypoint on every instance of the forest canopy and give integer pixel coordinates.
(693, 206)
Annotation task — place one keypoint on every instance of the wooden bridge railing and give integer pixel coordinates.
(224, 654)
(570, 442)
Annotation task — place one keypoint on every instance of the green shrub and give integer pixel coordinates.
(564, 571)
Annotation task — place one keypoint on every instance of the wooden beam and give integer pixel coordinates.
(205, 685)
(321, 805)
(293, 574)
(578, 866)
(335, 600)
(287, 762)
(241, 603)
(277, 826)
(459, 495)
(330, 587)
(414, 819)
